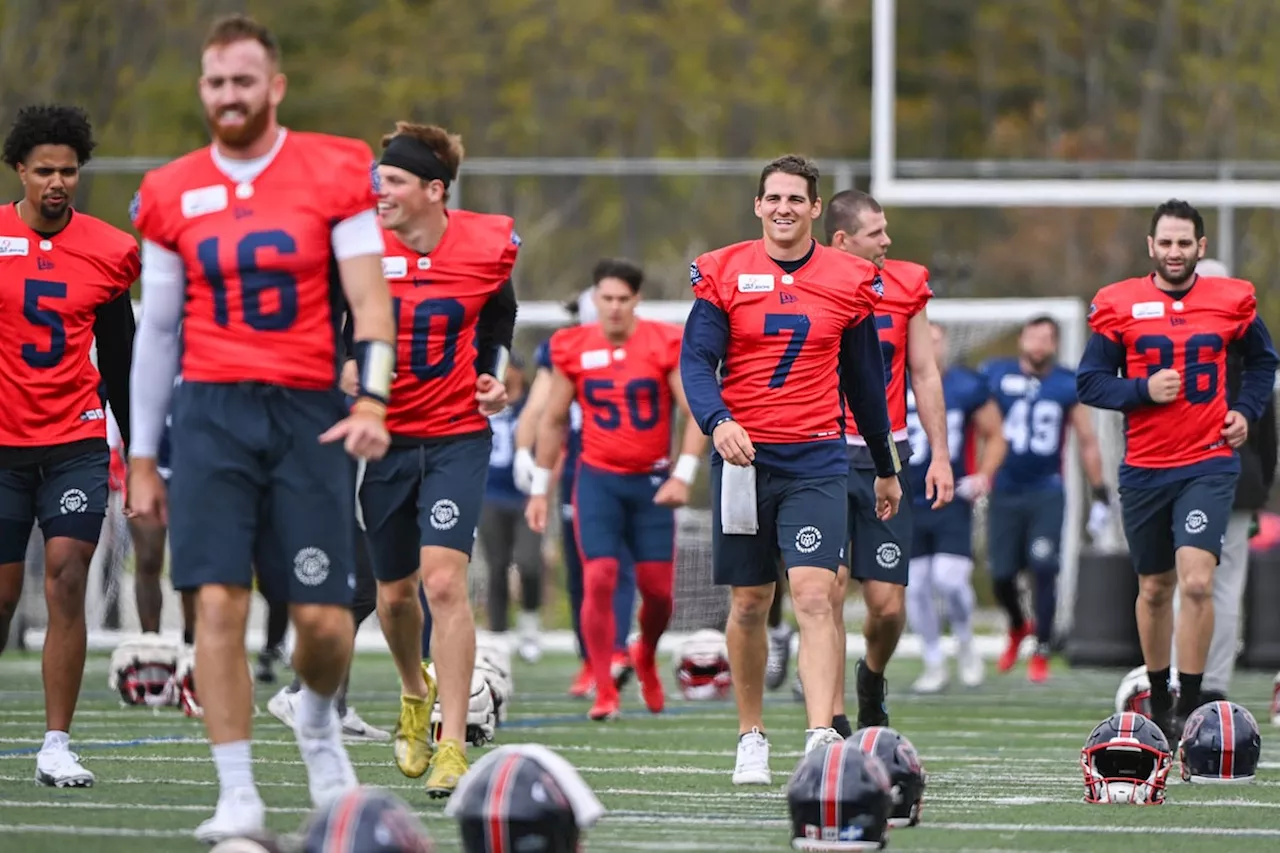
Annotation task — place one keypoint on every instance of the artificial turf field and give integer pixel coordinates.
(1003, 764)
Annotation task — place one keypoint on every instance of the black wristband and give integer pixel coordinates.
(884, 454)
(1102, 493)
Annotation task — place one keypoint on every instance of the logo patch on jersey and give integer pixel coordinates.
(888, 555)
(808, 539)
(878, 285)
(755, 283)
(135, 206)
(1147, 310)
(515, 239)
(395, 267)
(591, 359)
(785, 298)
(695, 274)
(1093, 308)
(444, 514)
(375, 179)
(14, 246)
(311, 566)
(1013, 384)
(204, 201)
(424, 263)
(1197, 521)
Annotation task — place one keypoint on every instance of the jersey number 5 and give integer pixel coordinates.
(642, 403)
(33, 290)
(1193, 367)
(254, 281)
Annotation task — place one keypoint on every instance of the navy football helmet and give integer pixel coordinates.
(365, 820)
(1221, 743)
(522, 797)
(1126, 760)
(840, 799)
(906, 775)
(262, 842)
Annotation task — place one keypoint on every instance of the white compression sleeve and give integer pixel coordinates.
(357, 235)
(155, 346)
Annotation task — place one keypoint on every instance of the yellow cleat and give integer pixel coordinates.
(412, 742)
(447, 767)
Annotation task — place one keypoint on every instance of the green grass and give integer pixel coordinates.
(1002, 762)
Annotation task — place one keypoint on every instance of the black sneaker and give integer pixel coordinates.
(266, 671)
(871, 688)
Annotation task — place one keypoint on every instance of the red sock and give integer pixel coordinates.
(654, 582)
(599, 580)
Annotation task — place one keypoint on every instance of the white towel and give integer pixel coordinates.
(738, 509)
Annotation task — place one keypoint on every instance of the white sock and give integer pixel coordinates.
(314, 711)
(922, 613)
(56, 740)
(952, 574)
(235, 765)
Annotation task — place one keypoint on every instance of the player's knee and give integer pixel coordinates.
(1196, 586)
(221, 612)
(812, 593)
(66, 576)
(886, 602)
(1156, 591)
(323, 627)
(749, 605)
(840, 588)
(446, 587)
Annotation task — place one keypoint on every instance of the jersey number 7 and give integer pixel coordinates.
(254, 281)
(798, 326)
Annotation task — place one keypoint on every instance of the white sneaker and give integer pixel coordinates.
(969, 662)
(753, 760)
(933, 680)
(60, 768)
(354, 727)
(284, 706)
(527, 628)
(818, 738)
(329, 770)
(240, 812)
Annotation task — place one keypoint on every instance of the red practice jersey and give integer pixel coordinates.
(262, 304)
(437, 298)
(784, 336)
(50, 291)
(1191, 336)
(625, 393)
(906, 292)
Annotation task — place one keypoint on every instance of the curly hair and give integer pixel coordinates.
(49, 124)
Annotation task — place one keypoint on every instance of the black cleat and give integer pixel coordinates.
(871, 688)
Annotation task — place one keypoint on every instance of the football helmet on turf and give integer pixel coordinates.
(1125, 760)
(906, 775)
(1221, 743)
(493, 662)
(522, 797)
(259, 842)
(1134, 693)
(840, 798)
(702, 666)
(144, 671)
(481, 716)
(366, 820)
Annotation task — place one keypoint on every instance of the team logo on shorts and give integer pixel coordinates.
(888, 555)
(73, 500)
(444, 514)
(1197, 521)
(808, 538)
(1042, 548)
(311, 566)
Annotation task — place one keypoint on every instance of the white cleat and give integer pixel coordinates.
(357, 729)
(933, 680)
(818, 738)
(753, 760)
(527, 627)
(969, 662)
(60, 768)
(240, 812)
(284, 706)
(329, 770)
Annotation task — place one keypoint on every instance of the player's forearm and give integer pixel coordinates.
(531, 414)
(1257, 379)
(692, 442)
(495, 331)
(374, 325)
(927, 386)
(1098, 382)
(1091, 459)
(991, 455)
(114, 330)
(706, 338)
(550, 438)
(862, 383)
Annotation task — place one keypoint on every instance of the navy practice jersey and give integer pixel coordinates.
(500, 485)
(573, 442)
(1036, 410)
(964, 391)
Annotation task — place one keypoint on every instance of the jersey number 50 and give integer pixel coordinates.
(254, 281)
(642, 403)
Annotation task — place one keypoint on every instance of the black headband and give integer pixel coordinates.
(416, 157)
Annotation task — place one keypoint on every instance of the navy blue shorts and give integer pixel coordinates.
(615, 515)
(948, 530)
(803, 518)
(419, 497)
(1191, 513)
(252, 485)
(1024, 531)
(878, 550)
(68, 498)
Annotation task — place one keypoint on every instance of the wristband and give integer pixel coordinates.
(686, 468)
(541, 479)
(495, 362)
(375, 365)
(884, 455)
(1102, 494)
(368, 405)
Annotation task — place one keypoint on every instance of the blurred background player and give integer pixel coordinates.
(1037, 399)
(239, 244)
(942, 539)
(624, 598)
(770, 312)
(625, 373)
(880, 550)
(64, 282)
(505, 536)
(1167, 335)
(450, 276)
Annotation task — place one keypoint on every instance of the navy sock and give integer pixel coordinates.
(1046, 601)
(1007, 595)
